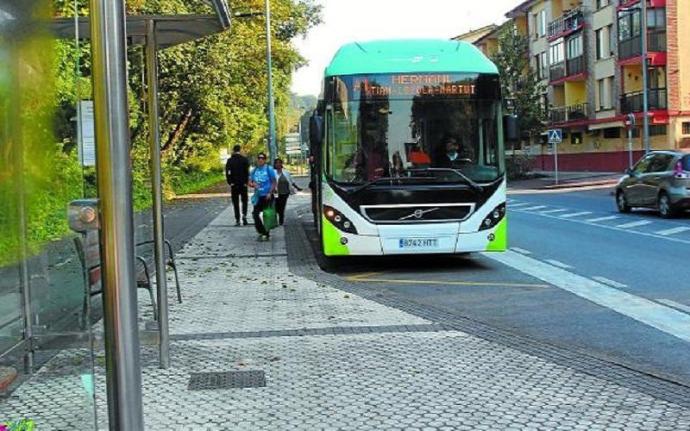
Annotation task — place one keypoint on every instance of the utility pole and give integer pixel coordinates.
(272, 149)
(645, 80)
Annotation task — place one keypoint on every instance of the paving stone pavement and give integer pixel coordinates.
(244, 310)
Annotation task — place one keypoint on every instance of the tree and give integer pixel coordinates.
(212, 91)
(520, 82)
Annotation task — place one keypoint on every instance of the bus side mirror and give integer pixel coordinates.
(316, 129)
(511, 129)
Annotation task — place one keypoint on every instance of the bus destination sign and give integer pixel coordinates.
(405, 85)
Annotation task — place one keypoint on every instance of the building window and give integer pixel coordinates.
(544, 65)
(603, 43)
(576, 138)
(657, 130)
(612, 133)
(556, 52)
(574, 49)
(657, 77)
(540, 21)
(604, 99)
(602, 3)
(612, 41)
(686, 127)
(656, 18)
(628, 25)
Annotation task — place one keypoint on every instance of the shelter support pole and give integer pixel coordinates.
(113, 164)
(157, 191)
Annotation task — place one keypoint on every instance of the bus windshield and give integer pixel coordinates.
(417, 128)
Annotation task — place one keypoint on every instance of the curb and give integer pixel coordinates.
(580, 185)
(564, 186)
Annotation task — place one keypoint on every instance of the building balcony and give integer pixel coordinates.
(567, 114)
(565, 24)
(632, 48)
(633, 102)
(567, 70)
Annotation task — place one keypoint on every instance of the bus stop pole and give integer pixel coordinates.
(113, 164)
(156, 189)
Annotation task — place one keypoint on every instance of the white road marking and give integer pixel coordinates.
(571, 218)
(521, 250)
(520, 204)
(559, 264)
(538, 207)
(663, 318)
(610, 282)
(581, 213)
(552, 211)
(598, 219)
(634, 224)
(673, 231)
(675, 304)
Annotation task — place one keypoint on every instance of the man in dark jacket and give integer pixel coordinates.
(237, 175)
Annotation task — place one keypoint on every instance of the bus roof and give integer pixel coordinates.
(408, 56)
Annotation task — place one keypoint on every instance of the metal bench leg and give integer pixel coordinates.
(148, 286)
(177, 281)
(173, 265)
(153, 302)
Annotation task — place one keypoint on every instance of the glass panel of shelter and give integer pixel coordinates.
(46, 161)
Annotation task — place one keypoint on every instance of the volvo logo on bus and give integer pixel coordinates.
(419, 213)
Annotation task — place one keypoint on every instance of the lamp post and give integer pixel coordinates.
(645, 79)
(272, 150)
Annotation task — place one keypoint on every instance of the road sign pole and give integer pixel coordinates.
(555, 162)
(631, 124)
(630, 146)
(555, 138)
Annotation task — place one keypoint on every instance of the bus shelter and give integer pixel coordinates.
(110, 32)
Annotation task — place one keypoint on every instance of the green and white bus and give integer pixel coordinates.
(408, 147)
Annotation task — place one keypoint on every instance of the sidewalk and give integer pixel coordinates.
(325, 358)
(545, 180)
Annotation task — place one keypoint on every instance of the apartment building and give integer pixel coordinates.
(588, 54)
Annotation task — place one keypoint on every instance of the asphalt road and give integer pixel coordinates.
(578, 275)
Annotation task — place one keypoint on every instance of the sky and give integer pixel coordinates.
(357, 20)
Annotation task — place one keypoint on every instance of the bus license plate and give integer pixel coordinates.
(418, 243)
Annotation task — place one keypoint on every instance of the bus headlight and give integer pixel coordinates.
(339, 220)
(494, 217)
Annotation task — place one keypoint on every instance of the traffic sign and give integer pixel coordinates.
(555, 136)
(630, 120)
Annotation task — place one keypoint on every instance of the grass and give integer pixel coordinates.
(191, 182)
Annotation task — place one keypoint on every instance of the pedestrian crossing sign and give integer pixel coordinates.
(555, 136)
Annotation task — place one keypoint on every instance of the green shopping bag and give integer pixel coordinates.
(270, 216)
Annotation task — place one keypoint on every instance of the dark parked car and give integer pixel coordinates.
(660, 180)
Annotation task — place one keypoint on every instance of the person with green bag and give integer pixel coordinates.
(264, 180)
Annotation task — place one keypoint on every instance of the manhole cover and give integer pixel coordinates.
(227, 380)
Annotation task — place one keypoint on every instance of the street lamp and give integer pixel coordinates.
(645, 91)
(272, 150)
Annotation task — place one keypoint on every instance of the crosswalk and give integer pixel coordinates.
(673, 229)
